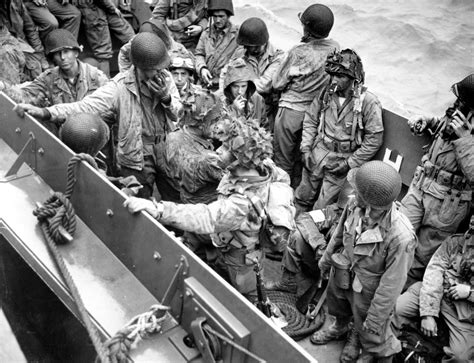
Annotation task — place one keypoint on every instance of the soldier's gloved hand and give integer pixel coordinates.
(459, 291)
(307, 160)
(340, 168)
(429, 326)
(159, 87)
(37, 112)
(418, 124)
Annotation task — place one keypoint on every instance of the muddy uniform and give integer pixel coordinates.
(300, 78)
(143, 123)
(265, 68)
(232, 222)
(178, 15)
(99, 19)
(215, 49)
(440, 194)
(20, 24)
(427, 298)
(380, 257)
(12, 59)
(53, 16)
(333, 132)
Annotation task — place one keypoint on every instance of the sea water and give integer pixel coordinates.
(412, 50)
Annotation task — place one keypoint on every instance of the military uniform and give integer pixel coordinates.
(427, 298)
(215, 49)
(440, 195)
(380, 256)
(12, 59)
(300, 78)
(232, 221)
(351, 132)
(178, 15)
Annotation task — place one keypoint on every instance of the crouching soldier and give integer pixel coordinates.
(371, 252)
(446, 292)
(235, 219)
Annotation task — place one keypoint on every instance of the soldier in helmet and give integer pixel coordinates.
(217, 43)
(145, 103)
(446, 293)
(370, 253)
(183, 71)
(440, 195)
(301, 78)
(257, 51)
(233, 220)
(186, 19)
(342, 129)
(70, 81)
(240, 96)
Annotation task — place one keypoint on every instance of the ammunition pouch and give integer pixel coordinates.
(440, 176)
(342, 271)
(338, 146)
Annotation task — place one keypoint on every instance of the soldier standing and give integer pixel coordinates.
(371, 252)
(440, 195)
(341, 130)
(300, 79)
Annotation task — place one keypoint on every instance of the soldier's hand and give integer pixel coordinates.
(324, 268)
(37, 112)
(135, 205)
(460, 125)
(459, 291)
(340, 168)
(193, 30)
(429, 326)
(307, 160)
(206, 76)
(418, 124)
(159, 87)
(239, 103)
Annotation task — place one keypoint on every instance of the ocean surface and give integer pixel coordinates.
(412, 50)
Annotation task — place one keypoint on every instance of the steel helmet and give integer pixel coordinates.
(149, 51)
(253, 32)
(345, 62)
(59, 39)
(159, 28)
(180, 59)
(226, 5)
(318, 20)
(464, 90)
(377, 183)
(202, 106)
(85, 133)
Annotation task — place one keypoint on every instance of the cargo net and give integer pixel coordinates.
(299, 325)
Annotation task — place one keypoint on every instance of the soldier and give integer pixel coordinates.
(341, 130)
(301, 78)
(233, 220)
(145, 101)
(186, 19)
(12, 59)
(217, 43)
(447, 293)
(53, 14)
(182, 68)
(440, 195)
(15, 18)
(70, 81)
(371, 252)
(240, 96)
(100, 17)
(257, 51)
(158, 28)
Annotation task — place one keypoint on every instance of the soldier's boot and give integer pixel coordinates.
(351, 350)
(335, 331)
(104, 66)
(287, 283)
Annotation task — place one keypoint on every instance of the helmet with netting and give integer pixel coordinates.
(59, 39)
(85, 133)
(159, 28)
(377, 183)
(464, 90)
(318, 19)
(346, 62)
(200, 107)
(148, 51)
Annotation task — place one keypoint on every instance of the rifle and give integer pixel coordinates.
(263, 303)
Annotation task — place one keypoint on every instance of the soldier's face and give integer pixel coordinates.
(239, 89)
(181, 77)
(66, 59)
(255, 50)
(343, 82)
(148, 73)
(220, 19)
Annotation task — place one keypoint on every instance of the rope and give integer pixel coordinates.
(56, 216)
(132, 333)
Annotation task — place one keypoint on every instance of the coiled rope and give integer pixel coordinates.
(55, 216)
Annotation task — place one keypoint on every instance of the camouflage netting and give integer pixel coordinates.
(201, 107)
